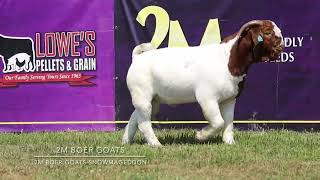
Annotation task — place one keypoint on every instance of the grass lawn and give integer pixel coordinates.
(256, 155)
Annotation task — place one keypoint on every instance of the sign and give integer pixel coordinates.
(57, 66)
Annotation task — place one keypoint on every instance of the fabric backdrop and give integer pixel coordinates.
(74, 81)
(286, 89)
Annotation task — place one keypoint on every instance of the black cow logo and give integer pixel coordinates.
(17, 54)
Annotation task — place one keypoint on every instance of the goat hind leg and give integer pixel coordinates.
(144, 109)
(130, 129)
(132, 126)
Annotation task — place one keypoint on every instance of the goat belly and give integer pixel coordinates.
(174, 80)
(172, 93)
(174, 85)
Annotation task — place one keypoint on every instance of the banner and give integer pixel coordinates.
(57, 65)
(285, 89)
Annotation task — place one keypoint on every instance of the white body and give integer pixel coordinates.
(175, 75)
(183, 75)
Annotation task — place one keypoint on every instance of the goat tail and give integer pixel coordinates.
(142, 48)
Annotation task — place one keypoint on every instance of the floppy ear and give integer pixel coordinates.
(256, 36)
(252, 28)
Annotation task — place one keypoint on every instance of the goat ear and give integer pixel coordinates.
(257, 39)
(248, 26)
(256, 36)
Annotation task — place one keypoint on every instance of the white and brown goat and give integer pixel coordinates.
(209, 75)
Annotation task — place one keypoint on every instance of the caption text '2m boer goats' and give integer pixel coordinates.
(210, 75)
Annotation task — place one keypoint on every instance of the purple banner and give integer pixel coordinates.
(57, 65)
(286, 89)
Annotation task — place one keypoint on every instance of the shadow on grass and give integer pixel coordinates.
(181, 138)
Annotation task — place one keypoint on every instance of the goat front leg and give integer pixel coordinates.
(211, 111)
(227, 110)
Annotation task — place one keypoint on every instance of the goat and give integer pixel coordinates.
(210, 75)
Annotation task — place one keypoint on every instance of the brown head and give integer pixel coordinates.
(258, 41)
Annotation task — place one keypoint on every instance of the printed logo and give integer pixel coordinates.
(17, 54)
(52, 57)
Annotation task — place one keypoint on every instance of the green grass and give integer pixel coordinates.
(256, 155)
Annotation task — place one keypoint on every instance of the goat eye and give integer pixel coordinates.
(267, 33)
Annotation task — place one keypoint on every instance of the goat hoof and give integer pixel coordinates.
(200, 136)
(126, 141)
(155, 145)
(228, 140)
